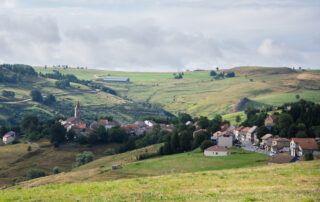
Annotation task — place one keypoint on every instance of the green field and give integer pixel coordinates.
(290, 182)
(199, 94)
(100, 169)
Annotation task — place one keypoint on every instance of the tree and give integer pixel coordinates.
(70, 135)
(30, 123)
(238, 119)
(185, 140)
(36, 96)
(205, 144)
(57, 134)
(283, 124)
(62, 84)
(117, 135)
(262, 130)
(174, 143)
(230, 74)
(50, 99)
(203, 122)
(9, 94)
(199, 138)
(213, 73)
(56, 170)
(184, 118)
(308, 156)
(297, 96)
(83, 158)
(35, 173)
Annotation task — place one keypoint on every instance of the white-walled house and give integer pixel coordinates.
(216, 151)
(225, 141)
(299, 146)
(9, 137)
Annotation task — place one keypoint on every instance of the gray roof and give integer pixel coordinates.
(116, 79)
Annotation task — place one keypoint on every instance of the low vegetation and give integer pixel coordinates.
(291, 182)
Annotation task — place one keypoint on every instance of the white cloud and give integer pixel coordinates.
(160, 35)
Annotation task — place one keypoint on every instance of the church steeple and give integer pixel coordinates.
(77, 110)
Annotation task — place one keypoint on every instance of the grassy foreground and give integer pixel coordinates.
(290, 182)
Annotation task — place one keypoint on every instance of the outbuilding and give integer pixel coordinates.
(216, 151)
(9, 137)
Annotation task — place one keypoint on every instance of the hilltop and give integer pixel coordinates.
(290, 182)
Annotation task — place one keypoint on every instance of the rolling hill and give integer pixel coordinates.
(199, 94)
(289, 182)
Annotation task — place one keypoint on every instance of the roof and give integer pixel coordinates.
(9, 134)
(116, 79)
(280, 139)
(306, 143)
(216, 148)
(282, 158)
(266, 136)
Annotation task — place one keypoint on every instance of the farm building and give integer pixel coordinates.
(300, 146)
(216, 151)
(115, 79)
(9, 137)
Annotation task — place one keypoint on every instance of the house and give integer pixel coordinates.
(216, 151)
(269, 122)
(282, 158)
(75, 123)
(115, 79)
(300, 146)
(266, 142)
(104, 122)
(225, 141)
(9, 137)
(280, 145)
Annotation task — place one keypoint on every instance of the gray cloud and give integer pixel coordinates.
(160, 35)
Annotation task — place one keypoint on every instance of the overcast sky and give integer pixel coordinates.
(160, 35)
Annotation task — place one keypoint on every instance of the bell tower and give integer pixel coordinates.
(77, 111)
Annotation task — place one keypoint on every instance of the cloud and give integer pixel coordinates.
(154, 35)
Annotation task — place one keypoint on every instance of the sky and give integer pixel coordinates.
(160, 35)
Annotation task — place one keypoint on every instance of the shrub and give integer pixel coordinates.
(56, 170)
(205, 144)
(35, 173)
(83, 158)
(308, 156)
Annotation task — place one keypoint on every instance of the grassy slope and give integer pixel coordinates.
(290, 182)
(178, 163)
(16, 160)
(198, 94)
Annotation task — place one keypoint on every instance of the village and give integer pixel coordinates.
(280, 150)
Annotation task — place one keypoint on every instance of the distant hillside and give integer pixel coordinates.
(289, 182)
(200, 94)
(256, 70)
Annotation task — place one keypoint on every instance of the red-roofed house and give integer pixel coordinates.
(299, 146)
(216, 151)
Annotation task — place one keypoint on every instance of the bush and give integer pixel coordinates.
(83, 158)
(56, 170)
(205, 144)
(36, 96)
(35, 173)
(308, 156)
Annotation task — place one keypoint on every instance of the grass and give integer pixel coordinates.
(290, 182)
(199, 94)
(232, 117)
(16, 160)
(194, 161)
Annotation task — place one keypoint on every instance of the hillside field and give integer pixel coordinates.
(194, 161)
(289, 182)
(199, 94)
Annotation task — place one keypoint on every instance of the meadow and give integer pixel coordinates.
(200, 95)
(194, 161)
(289, 182)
